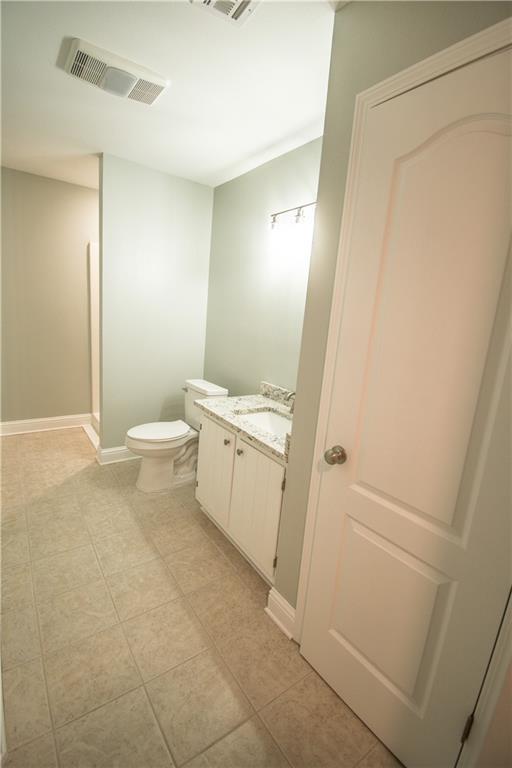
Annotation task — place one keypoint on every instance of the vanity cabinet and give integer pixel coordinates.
(241, 488)
(256, 505)
(215, 470)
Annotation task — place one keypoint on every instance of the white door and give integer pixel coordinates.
(256, 505)
(215, 470)
(410, 563)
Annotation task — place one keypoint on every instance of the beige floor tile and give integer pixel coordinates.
(39, 509)
(75, 615)
(142, 588)
(20, 637)
(245, 571)
(197, 566)
(250, 746)
(165, 637)
(11, 512)
(114, 518)
(86, 675)
(379, 757)
(201, 761)
(172, 538)
(126, 472)
(38, 754)
(314, 727)
(60, 573)
(264, 661)
(121, 734)
(226, 607)
(124, 550)
(98, 499)
(12, 492)
(15, 550)
(94, 477)
(17, 588)
(56, 532)
(26, 707)
(35, 492)
(196, 704)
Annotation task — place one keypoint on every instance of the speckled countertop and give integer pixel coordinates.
(230, 412)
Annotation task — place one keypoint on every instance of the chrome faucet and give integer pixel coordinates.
(289, 397)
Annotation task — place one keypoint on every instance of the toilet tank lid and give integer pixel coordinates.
(206, 388)
(159, 430)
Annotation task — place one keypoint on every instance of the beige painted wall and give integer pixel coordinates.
(372, 41)
(155, 248)
(46, 225)
(257, 287)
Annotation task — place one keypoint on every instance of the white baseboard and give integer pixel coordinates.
(281, 613)
(92, 434)
(43, 425)
(111, 455)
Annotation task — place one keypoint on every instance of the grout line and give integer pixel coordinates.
(276, 743)
(45, 678)
(148, 699)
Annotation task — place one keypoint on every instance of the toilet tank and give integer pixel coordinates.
(196, 389)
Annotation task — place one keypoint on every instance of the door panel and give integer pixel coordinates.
(256, 505)
(215, 470)
(411, 544)
(433, 315)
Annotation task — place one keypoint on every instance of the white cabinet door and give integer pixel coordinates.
(410, 566)
(215, 470)
(256, 505)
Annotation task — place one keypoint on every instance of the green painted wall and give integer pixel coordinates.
(155, 247)
(46, 226)
(372, 41)
(257, 292)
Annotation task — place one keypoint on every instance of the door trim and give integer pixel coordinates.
(484, 43)
(491, 689)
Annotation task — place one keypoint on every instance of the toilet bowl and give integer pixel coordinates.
(169, 448)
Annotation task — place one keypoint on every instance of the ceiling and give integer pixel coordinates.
(239, 95)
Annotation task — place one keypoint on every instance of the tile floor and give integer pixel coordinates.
(133, 633)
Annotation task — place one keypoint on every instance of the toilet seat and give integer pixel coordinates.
(159, 431)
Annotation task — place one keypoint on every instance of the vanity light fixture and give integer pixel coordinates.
(300, 215)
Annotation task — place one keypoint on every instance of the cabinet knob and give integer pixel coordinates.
(226, 441)
(239, 451)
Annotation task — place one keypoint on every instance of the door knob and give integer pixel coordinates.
(335, 455)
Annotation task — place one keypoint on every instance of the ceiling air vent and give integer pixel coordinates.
(112, 73)
(233, 10)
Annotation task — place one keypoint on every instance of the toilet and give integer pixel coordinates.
(169, 448)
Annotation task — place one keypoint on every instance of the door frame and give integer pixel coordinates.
(490, 40)
(491, 688)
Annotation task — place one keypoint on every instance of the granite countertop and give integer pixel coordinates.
(230, 411)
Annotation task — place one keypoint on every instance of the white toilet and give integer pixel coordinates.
(169, 448)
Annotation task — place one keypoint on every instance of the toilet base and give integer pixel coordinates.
(161, 474)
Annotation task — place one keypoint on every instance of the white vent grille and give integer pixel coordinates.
(88, 68)
(232, 10)
(112, 73)
(145, 91)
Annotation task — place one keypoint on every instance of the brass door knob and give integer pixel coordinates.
(335, 455)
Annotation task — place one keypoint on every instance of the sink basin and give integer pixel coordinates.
(271, 422)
